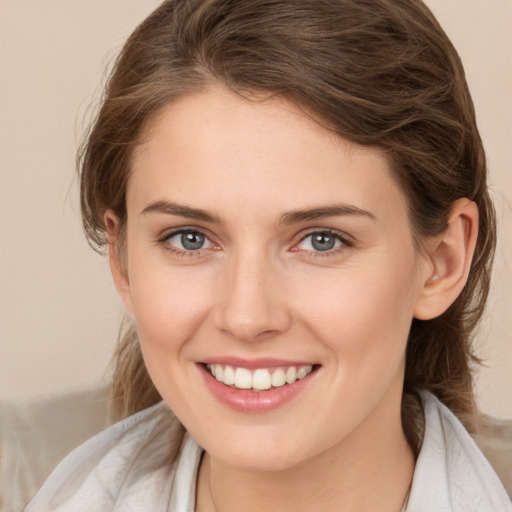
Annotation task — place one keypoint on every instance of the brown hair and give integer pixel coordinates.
(376, 72)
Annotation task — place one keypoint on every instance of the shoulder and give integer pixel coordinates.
(133, 460)
(451, 472)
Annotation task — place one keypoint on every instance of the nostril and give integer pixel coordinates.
(252, 321)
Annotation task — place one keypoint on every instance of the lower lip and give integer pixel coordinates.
(243, 400)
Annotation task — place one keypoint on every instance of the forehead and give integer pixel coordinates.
(217, 149)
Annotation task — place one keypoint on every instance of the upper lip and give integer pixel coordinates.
(264, 362)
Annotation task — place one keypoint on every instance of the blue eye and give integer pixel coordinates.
(321, 241)
(188, 240)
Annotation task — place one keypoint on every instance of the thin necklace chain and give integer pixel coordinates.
(406, 501)
(403, 509)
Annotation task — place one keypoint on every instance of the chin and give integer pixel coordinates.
(256, 451)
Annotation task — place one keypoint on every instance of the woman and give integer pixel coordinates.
(294, 200)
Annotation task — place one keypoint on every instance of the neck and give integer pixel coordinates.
(370, 469)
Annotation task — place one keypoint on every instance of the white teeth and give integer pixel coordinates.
(229, 376)
(261, 378)
(219, 372)
(291, 375)
(303, 371)
(243, 378)
(278, 378)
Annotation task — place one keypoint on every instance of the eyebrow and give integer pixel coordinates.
(296, 216)
(292, 217)
(167, 208)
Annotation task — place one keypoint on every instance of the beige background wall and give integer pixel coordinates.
(58, 310)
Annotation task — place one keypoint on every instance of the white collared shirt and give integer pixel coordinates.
(126, 468)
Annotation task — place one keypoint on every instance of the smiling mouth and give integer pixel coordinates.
(259, 379)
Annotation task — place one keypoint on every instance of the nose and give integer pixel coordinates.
(253, 302)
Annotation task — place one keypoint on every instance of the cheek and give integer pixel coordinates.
(168, 305)
(362, 313)
(169, 309)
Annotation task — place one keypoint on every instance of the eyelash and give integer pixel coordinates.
(346, 242)
(164, 242)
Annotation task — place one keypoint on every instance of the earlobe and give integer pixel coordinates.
(118, 265)
(449, 262)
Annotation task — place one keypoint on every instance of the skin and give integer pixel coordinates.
(258, 288)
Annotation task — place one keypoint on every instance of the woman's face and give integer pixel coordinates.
(263, 248)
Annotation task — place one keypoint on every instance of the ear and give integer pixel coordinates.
(448, 261)
(117, 261)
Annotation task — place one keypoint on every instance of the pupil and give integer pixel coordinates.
(192, 241)
(323, 242)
